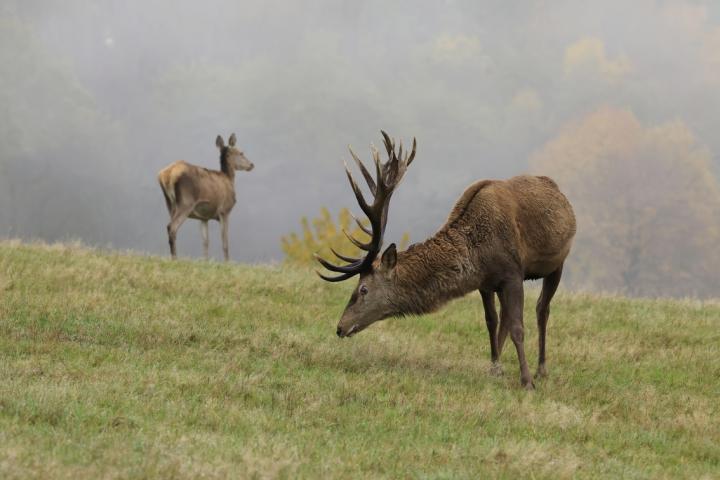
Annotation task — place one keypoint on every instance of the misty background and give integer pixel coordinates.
(619, 101)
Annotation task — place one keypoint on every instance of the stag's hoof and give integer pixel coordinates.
(496, 370)
(529, 386)
(541, 372)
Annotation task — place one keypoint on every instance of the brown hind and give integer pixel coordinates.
(202, 194)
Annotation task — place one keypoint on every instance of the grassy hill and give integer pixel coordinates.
(123, 366)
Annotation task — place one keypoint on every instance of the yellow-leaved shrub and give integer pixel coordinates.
(322, 233)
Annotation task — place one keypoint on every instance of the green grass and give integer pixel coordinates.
(123, 366)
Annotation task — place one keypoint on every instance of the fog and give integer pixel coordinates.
(98, 96)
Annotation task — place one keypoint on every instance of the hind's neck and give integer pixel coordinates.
(225, 167)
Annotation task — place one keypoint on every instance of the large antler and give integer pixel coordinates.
(388, 176)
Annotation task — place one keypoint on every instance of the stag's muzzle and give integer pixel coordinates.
(352, 331)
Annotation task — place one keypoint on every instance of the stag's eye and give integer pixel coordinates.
(363, 290)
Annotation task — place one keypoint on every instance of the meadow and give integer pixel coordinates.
(117, 365)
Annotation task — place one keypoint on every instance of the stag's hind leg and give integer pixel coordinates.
(550, 285)
(511, 314)
(491, 320)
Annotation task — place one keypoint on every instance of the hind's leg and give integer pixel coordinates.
(179, 216)
(224, 234)
(550, 284)
(206, 240)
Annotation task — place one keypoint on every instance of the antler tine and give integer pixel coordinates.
(389, 145)
(378, 167)
(352, 268)
(339, 278)
(358, 193)
(364, 171)
(395, 167)
(362, 246)
(337, 268)
(412, 154)
(375, 153)
(343, 257)
(359, 223)
(347, 270)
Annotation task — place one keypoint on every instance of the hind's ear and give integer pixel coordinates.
(231, 140)
(219, 142)
(389, 257)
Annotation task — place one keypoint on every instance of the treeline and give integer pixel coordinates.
(647, 203)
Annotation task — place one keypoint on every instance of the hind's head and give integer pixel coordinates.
(234, 157)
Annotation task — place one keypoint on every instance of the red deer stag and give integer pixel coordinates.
(203, 194)
(498, 234)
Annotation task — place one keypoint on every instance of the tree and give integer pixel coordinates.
(647, 204)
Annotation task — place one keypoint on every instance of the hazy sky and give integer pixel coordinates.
(97, 96)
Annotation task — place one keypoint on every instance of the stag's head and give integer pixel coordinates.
(372, 299)
(234, 157)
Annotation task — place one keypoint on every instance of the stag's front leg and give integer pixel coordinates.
(491, 320)
(502, 334)
(511, 301)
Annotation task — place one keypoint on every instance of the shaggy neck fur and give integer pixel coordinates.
(431, 273)
(445, 266)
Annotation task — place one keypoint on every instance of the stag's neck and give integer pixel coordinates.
(434, 272)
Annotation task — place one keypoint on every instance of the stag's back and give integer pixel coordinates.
(525, 217)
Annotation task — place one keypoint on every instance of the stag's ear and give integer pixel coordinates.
(219, 142)
(389, 257)
(231, 140)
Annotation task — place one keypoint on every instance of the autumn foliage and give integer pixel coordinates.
(647, 205)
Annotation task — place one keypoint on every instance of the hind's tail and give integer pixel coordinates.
(168, 178)
(168, 190)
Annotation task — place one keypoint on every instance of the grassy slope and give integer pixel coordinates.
(124, 366)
